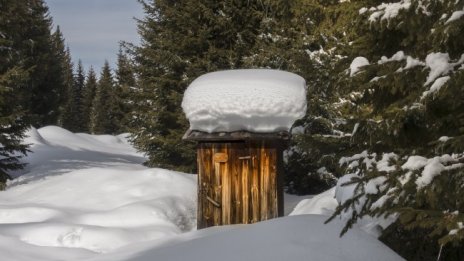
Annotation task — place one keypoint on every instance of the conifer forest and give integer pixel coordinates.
(385, 95)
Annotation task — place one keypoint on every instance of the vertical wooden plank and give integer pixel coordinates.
(204, 210)
(273, 201)
(280, 178)
(255, 199)
(207, 184)
(217, 220)
(245, 186)
(236, 165)
(226, 189)
(200, 218)
(264, 175)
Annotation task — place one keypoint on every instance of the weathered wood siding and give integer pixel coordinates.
(238, 182)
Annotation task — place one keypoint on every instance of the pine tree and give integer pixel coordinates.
(125, 84)
(78, 98)
(14, 77)
(42, 99)
(65, 71)
(90, 89)
(68, 109)
(73, 116)
(181, 41)
(12, 120)
(58, 69)
(400, 109)
(103, 117)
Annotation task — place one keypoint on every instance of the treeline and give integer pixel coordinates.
(39, 84)
(98, 105)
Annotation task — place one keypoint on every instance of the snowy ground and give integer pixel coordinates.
(86, 197)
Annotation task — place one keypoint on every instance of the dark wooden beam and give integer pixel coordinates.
(194, 135)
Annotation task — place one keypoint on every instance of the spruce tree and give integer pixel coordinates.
(182, 40)
(125, 84)
(103, 119)
(65, 71)
(68, 108)
(14, 77)
(405, 107)
(42, 99)
(78, 98)
(90, 89)
(12, 119)
(58, 69)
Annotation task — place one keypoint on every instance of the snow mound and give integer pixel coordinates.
(89, 193)
(86, 197)
(54, 135)
(303, 237)
(321, 204)
(256, 100)
(33, 137)
(56, 151)
(99, 209)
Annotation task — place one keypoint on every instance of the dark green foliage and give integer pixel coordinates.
(61, 59)
(68, 106)
(41, 100)
(182, 40)
(14, 77)
(35, 71)
(416, 244)
(90, 89)
(78, 97)
(398, 112)
(104, 119)
(125, 84)
(12, 120)
(73, 114)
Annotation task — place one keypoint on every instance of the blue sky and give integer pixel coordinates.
(94, 28)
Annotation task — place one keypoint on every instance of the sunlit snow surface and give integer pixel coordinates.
(86, 197)
(256, 100)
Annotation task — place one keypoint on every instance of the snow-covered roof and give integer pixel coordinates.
(255, 100)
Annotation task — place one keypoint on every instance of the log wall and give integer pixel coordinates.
(238, 182)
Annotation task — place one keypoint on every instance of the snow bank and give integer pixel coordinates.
(89, 192)
(57, 151)
(253, 100)
(302, 237)
(321, 204)
(86, 197)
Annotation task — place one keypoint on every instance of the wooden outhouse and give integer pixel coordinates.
(240, 177)
(240, 120)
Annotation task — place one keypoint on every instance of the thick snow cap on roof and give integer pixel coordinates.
(255, 100)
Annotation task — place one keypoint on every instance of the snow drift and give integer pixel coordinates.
(255, 100)
(302, 237)
(86, 197)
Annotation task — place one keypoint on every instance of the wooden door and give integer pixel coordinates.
(237, 183)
